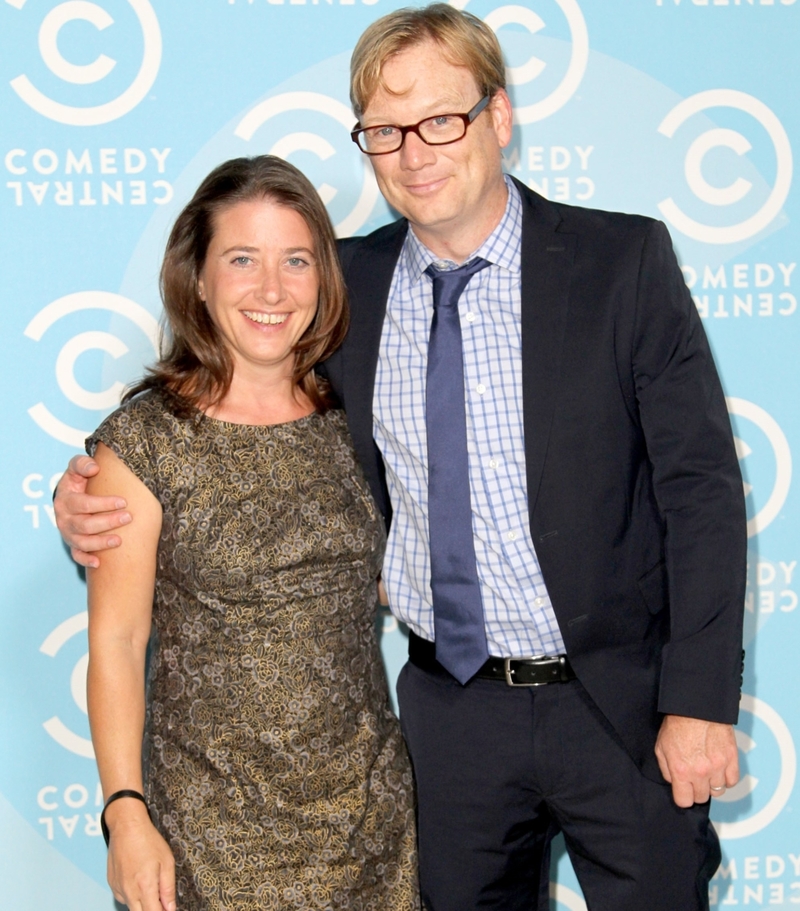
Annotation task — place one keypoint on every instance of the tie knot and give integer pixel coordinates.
(449, 284)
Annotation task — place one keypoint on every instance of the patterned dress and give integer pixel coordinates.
(273, 764)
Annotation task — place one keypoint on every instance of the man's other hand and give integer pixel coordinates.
(83, 520)
(698, 758)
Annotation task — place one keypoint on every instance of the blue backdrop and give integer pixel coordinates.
(111, 113)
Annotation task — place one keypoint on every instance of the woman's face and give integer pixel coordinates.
(260, 282)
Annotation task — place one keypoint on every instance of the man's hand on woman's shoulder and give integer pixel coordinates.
(84, 520)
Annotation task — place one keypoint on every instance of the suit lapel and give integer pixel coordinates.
(368, 274)
(369, 277)
(547, 258)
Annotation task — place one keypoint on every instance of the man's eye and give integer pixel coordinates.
(444, 123)
(241, 260)
(385, 132)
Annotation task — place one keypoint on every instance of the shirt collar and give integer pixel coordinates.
(501, 248)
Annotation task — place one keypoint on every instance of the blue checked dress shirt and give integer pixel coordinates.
(519, 616)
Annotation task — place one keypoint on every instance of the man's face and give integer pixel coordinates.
(453, 195)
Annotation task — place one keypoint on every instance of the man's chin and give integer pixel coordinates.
(428, 216)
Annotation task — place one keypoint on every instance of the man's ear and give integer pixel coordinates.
(502, 115)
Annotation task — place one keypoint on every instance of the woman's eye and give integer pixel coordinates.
(295, 261)
(241, 260)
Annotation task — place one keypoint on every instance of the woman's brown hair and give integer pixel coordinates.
(195, 365)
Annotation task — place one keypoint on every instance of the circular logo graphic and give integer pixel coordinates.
(783, 461)
(534, 67)
(51, 646)
(748, 784)
(88, 73)
(78, 345)
(736, 191)
(314, 143)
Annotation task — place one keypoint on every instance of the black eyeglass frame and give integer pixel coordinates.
(468, 118)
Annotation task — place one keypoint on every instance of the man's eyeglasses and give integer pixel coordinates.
(434, 131)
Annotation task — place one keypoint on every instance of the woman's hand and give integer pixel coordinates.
(141, 868)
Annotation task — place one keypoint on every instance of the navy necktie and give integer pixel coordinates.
(457, 606)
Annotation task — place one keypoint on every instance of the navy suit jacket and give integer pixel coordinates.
(634, 490)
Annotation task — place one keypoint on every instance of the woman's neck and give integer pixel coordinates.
(256, 400)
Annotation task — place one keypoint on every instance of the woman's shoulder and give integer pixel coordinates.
(143, 417)
(333, 431)
(144, 432)
(333, 422)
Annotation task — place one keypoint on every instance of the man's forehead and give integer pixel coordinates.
(385, 104)
(421, 79)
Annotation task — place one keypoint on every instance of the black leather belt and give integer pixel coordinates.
(513, 671)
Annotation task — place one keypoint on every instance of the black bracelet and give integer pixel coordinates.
(116, 796)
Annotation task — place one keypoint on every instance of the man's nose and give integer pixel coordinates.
(415, 153)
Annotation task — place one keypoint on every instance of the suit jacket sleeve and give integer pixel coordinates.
(698, 489)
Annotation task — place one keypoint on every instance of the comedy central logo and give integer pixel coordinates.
(110, 344)
(766, 461)
(96, 71)
(335, 115)
(62, 734)
(772, 768)
(734, 204)
(550, 82)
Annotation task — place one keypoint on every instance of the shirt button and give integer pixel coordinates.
(480, 389)
(539, 602)
(470, 317)
(512, 536)
(493, 463)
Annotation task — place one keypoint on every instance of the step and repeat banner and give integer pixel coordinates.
(112, 111)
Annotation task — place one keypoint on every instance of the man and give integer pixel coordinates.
(593, 468)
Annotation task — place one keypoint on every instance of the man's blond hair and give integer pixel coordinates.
(464, 39)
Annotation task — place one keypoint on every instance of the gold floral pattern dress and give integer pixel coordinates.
(274, 766)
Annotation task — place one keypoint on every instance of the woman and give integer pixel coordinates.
(264, 752)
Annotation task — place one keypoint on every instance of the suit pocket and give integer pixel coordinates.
(653, 586)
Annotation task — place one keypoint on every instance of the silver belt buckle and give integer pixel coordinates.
(540, 661)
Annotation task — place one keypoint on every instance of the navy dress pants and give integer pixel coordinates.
(500, 770)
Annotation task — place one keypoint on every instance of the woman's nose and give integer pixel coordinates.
(271, 288)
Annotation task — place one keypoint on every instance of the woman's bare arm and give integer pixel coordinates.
(140, 864)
